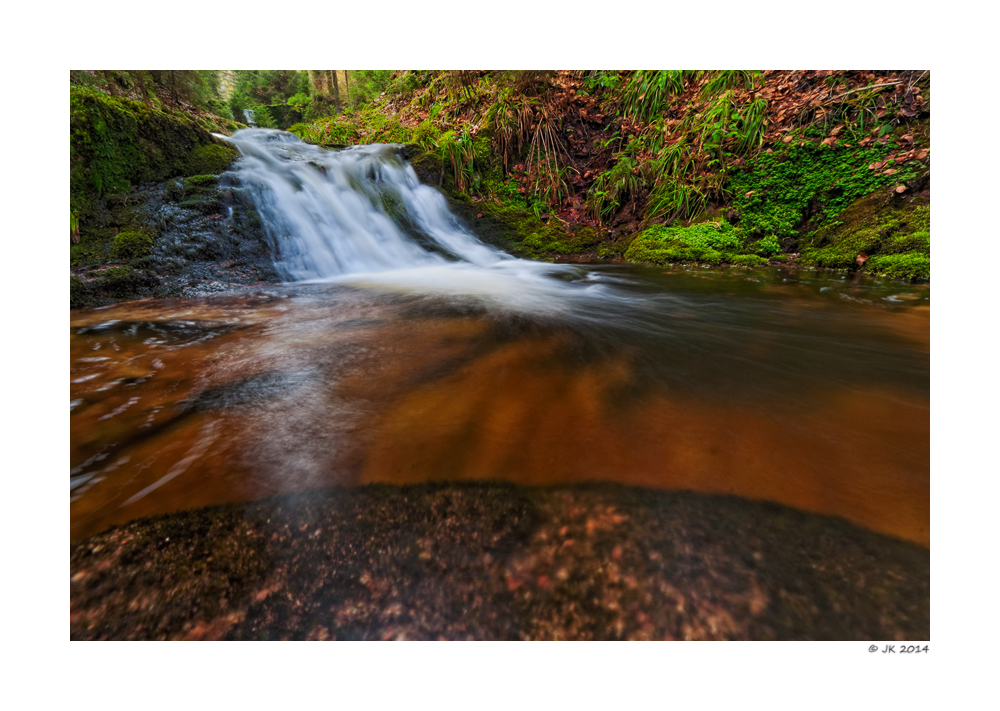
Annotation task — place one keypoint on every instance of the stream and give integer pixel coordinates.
(402, 349)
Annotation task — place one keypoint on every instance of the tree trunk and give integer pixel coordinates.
(347, 86)
(336, 91)
(140, 77)
(110, 83)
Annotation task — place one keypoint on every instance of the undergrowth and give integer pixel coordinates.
(784, 193)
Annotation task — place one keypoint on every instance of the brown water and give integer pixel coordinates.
(806, 389)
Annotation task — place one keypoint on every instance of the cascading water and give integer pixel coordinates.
(361, 214)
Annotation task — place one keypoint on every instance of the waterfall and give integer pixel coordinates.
(361, 214)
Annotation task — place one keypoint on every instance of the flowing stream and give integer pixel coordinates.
(402, 349)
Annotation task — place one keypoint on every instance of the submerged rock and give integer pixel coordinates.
(496, 561)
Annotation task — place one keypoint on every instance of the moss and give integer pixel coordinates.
(790, 193)
(200, 181)
(553, 239)
(94, 248)
(131, 245)
(908, 266)
(212, 159)
(206, 204)
(116, 143)
(748, 260)
(80, 293)
(880, 226)
(121, 283)
(705, 243)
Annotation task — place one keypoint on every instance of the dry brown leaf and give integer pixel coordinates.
(861, 259)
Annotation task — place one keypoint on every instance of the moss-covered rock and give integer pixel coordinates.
(200, 181)
(892, 233)
(81, 293)
(212, 159)
(715, 242)
(116, 143)
(131, 245)
(791, 192)
(910, 266)
(748, 260)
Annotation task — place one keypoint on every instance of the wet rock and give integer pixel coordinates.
(495, 561)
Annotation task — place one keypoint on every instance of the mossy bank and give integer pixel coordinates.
(152, 216)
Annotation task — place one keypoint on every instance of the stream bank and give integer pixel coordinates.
(155, 215)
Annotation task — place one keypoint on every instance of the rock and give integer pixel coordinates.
(491, 561)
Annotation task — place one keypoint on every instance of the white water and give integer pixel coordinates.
(340, 216)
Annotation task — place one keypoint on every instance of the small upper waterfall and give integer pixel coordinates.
(358, 210)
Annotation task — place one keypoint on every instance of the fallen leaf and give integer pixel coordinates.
(861, 259)
(900, 189)
(890, 171)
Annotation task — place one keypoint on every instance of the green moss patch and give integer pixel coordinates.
(909, 266)
(131, 245)
(215, 158)
(894, 236)
(708, 243)
(788, 194)
(200, 181)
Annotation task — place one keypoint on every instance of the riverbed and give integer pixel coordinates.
(799, 387)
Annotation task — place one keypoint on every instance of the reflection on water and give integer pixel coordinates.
(807, 389)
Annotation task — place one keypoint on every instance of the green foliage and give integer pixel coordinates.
(597, 81)
(777, 190)
(722, 81)
(263, 90)
(767, 246)
(616, 185)
(131, 245)
(164, 89)
(368, 84)
(683, 167)
(260, 115)
(357, 126)
(646, 94)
